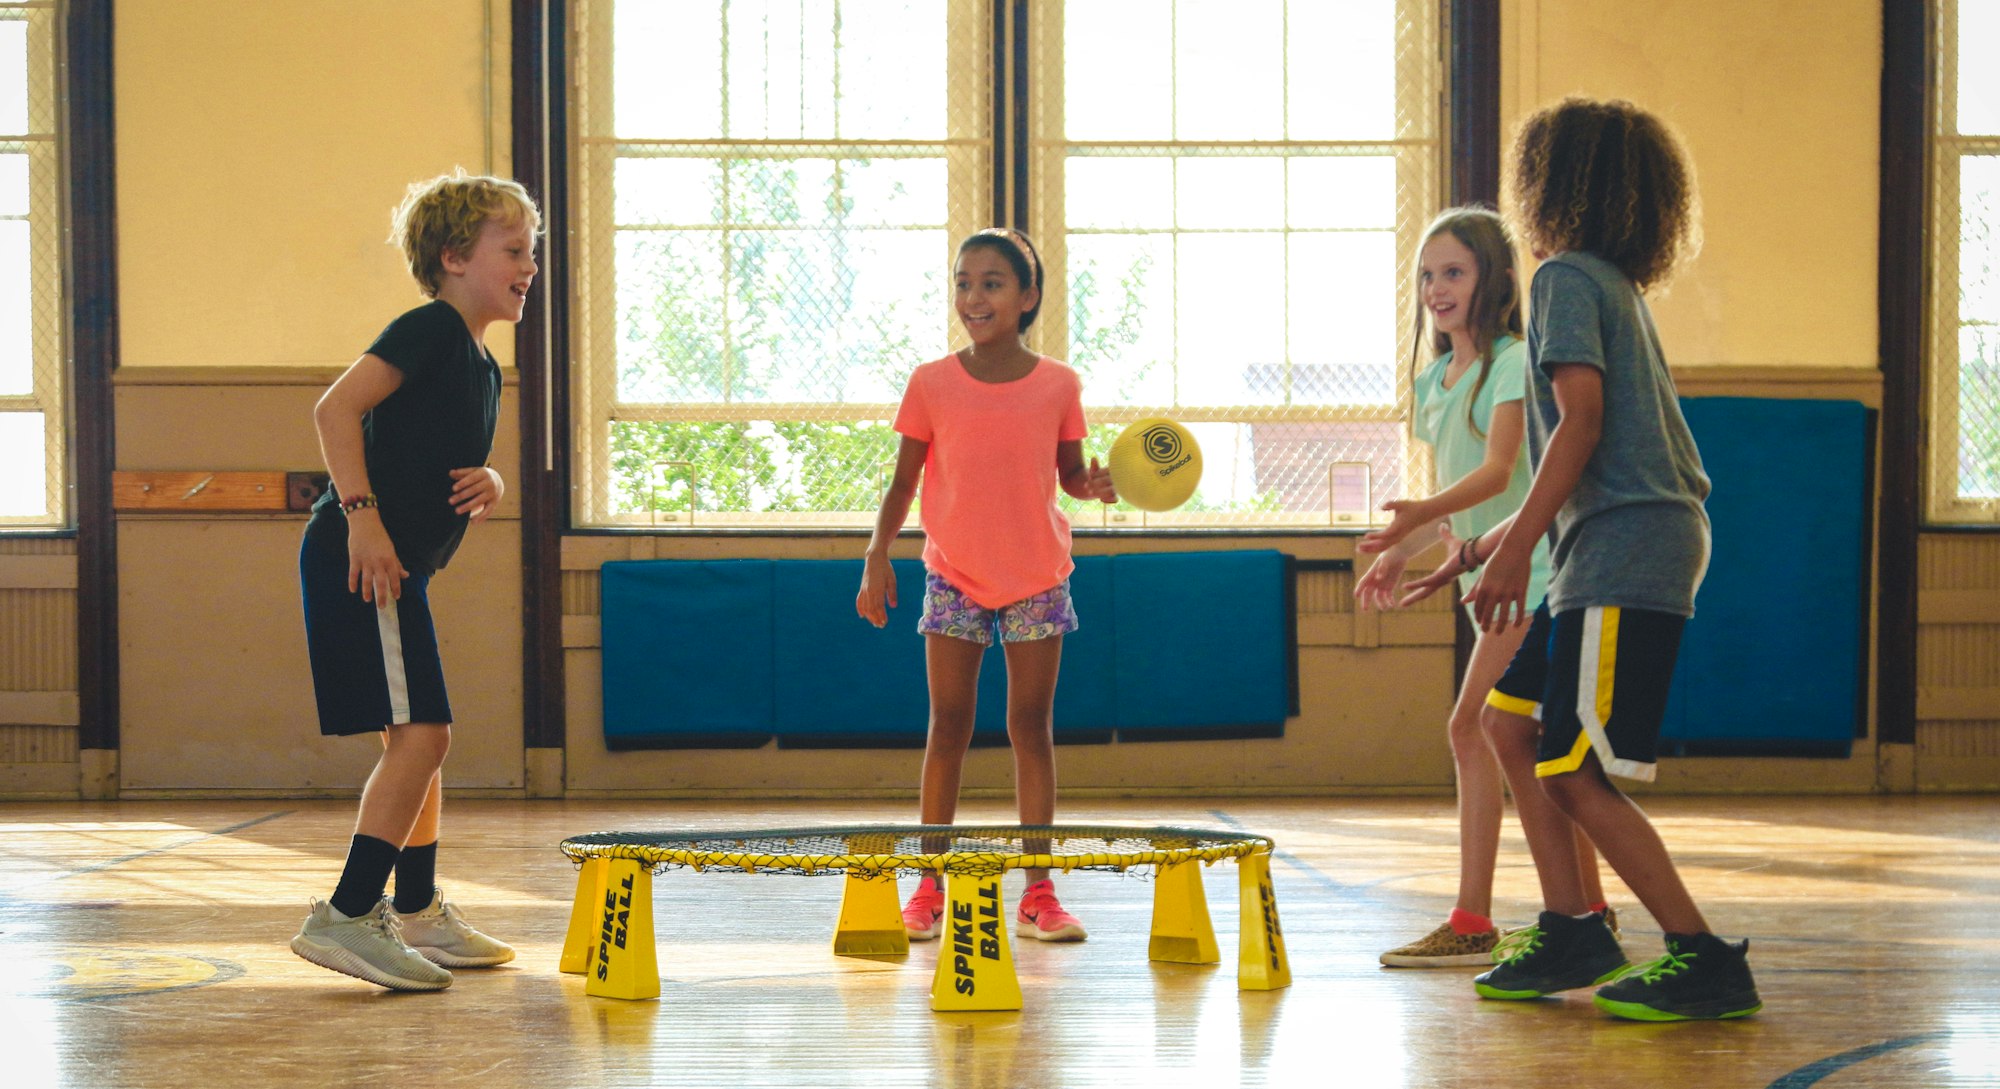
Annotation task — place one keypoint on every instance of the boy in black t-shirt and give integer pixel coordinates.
(406, 432)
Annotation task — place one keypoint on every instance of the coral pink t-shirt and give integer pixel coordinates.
(990, 521)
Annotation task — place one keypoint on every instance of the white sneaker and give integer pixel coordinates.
(443, 937)
(366, 947)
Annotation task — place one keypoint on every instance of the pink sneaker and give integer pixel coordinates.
(1042, 917)
(926, 907)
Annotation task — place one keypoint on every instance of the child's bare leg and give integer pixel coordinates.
(1586, 860)
(1031, 694)
(1629, 842)
(403, 781)
(1480, 798)
(1551, 839)
(953, 668)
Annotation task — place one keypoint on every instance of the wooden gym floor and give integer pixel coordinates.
(144, 944)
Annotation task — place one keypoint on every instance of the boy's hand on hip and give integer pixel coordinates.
(476, 491)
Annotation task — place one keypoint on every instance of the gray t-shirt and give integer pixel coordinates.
(1633, 533)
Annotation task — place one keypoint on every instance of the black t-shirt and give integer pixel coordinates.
(441, 418)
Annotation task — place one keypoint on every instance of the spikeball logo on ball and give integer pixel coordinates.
(1155, 464)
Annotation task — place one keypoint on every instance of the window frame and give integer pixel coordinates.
(48, 320)
(1466, 33)
(1943, 506)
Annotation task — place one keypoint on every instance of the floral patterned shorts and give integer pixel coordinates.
(947, 611)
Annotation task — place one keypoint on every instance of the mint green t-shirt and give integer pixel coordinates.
(1441, 420)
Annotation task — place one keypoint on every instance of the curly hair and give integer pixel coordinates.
(1610, 179)
(447, 212)
(1495, 306)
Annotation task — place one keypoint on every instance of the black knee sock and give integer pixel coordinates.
(416, 877)
(366, 874)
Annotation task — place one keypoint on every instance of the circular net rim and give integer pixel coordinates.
(882, 849)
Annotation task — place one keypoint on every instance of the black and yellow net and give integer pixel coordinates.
(871, 850)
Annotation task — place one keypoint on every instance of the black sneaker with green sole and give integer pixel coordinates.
(1559, 953)
(1702, 978)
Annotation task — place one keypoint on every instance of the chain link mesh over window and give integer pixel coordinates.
(33, 458)
(769, 192)
(1963, 446)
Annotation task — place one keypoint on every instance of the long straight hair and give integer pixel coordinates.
(1496, 299)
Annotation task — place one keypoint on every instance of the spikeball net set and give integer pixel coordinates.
(610, 938)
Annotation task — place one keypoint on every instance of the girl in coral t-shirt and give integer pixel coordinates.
(991, 430)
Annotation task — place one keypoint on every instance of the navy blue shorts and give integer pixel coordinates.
(1597, 679)
(372, 668)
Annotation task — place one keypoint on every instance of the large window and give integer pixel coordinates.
(33, 461)
(768, 193)
(1963, 443)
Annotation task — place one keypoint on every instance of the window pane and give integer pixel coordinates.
(1118, 76)
(13, 78)
(1979, 328)
(1108, 194)
(17, 362)
(891, 70)
(1224, 194)
(1979, 412)
(1341, 75)
(23, 449)
(1344, 324)
(781, 69)
(661, 90)
(832, 316)
(1978, 76)
(881, 192)
(1979, 238)
(667, 192)
(1229, 70)
(1121, 317)
(671, 317)
(1231, 304)
(1342, 192)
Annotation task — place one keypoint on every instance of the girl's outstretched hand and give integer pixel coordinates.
(1418, 589)
(1408, 515)
(1377, 589)
(878, 586)
(1098, 480)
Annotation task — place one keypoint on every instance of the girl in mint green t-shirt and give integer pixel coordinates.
(1469, 409)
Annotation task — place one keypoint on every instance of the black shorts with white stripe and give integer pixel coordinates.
(371, 668)
(1603, 674)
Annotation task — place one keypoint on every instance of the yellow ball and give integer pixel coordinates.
(1155, 464)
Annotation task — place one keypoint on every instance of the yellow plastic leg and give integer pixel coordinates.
(871, 921)
(581, 940)
(1260, 946)
(975, 965)
(1182, 932)
(625, 964)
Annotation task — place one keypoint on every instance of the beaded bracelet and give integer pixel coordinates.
(349, 506)
(1468, 554)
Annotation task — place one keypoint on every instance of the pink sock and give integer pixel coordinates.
(1465, 922)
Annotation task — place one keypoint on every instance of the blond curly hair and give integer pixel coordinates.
(1607, 178)
(446, 213)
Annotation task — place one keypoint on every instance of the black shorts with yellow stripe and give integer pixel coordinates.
(1597, 679)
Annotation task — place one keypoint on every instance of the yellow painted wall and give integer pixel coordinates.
(1779, 104)
(261, 146)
